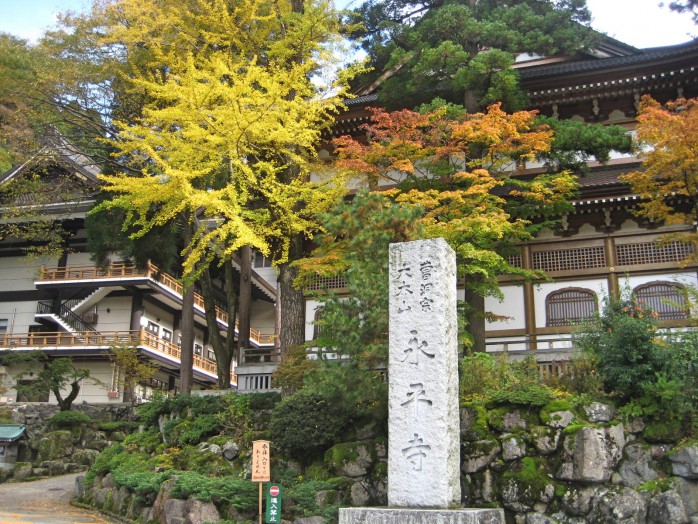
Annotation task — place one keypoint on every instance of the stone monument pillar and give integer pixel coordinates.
(424, 428)
(423, 423)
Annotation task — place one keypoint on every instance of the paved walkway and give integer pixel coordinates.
(44, 502)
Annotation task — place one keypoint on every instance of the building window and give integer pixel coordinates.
(152, 327)
(167, 334)
(570, 306)
(198, 349)
(260, 260)
(3, 326)
(317, 329)
(667, 299)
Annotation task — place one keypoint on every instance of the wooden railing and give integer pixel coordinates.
(151, 272)
(93, 339)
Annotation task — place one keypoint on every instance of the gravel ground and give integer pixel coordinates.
(44, 502)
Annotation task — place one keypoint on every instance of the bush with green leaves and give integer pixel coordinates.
(487, 379)
(305, 424)
(625, 343)
(68, 420)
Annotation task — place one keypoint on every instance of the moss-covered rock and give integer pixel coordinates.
(473, 422)
(351, 459)
(55, 445)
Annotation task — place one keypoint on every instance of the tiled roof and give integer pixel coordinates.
(604, 176)
(588, 65)
(365, 99)
(11, 432)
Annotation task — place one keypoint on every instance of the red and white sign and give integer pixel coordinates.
(274, 491)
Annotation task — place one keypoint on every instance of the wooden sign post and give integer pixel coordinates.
(261, 467)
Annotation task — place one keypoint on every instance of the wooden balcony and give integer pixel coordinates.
(121, 271)
(102, 340)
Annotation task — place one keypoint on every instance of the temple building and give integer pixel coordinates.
(70, 307)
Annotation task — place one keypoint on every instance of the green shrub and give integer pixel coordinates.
(119, 425)
(305, 424)
(624, 342)
(240, 493)
(199, 429)
(496, 380)
(68, 420)
(259, 401)
(146, 442)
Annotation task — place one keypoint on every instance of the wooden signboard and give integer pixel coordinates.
(261, 463)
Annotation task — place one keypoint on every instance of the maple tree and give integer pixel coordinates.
(668, 179)
(460, 171)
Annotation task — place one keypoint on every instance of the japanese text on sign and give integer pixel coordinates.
(261, 463)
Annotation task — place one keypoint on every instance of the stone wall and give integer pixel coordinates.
(43, 452)
(543, 466)
(559, 467)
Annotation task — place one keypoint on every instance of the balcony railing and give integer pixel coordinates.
(102, 340)
(151, 272)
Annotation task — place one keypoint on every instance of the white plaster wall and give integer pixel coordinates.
(310, 308)
(119, 316)
(687, 278)
(598, 286)
(511, 306)
(19, 315)
(79, 259)
(263, 317)
(19, 273)
(268, 274)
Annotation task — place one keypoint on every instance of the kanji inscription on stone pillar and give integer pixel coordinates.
(424, 429)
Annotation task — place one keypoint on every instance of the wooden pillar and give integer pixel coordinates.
(137, 310)
(529, 300)
(611, 263)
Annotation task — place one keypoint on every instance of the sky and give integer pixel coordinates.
(641, 23)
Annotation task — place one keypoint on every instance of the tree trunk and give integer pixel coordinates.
(66, 403)
(245, 297)
(475, 317)
(291, 300)
(186, 370)
(224, 355)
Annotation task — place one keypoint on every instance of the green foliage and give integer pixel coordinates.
(574, 143)
(134, 370)
(261, 401)
(580, 377)
(355, 328)
(624, 341)
(194, 430)
(68, 420)
(456, 49)
(498, 380)
(240, 493)
(145, 442)
(182, 405)
(234, 418)
(655, 376)
(291, 374)
(118, 425)
(306, 423)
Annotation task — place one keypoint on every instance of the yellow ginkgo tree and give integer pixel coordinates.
(230, 126)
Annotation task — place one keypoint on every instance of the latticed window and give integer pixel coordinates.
(569, 259)
(667, 299)
(653, 252)
(570, 306)
(317, 329)
(336, 282)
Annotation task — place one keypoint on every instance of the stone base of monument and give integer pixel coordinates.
(420, 516)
